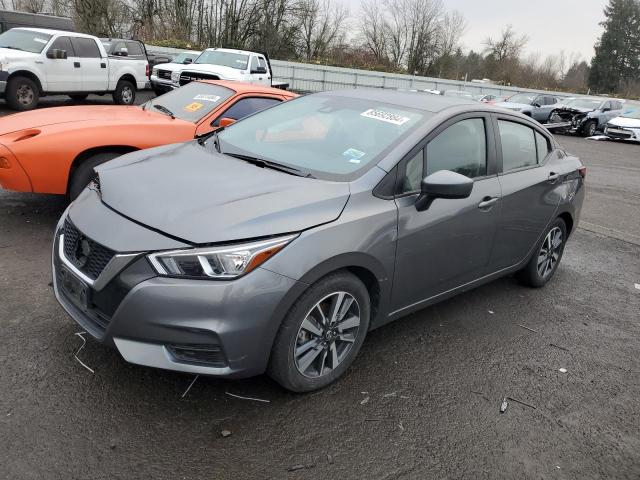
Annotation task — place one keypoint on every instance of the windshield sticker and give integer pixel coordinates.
(207, 98)
(193, 107)
(41, 40)
(385, 116)
(353, 155)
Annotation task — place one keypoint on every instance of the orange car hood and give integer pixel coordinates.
(58, 115)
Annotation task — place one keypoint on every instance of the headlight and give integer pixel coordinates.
(225, 262)
(175, 76)
(154, 71)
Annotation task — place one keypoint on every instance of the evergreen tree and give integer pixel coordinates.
(617, 59)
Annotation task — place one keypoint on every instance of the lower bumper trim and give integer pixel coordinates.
(153, 355)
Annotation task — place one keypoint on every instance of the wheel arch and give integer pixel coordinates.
(568, 221)
(128, 77)
(90, 152)
(30, 75)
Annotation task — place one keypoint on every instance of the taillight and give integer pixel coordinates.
(147, 70)
(582, 171)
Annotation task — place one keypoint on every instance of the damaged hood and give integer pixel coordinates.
(625, 122)
(200, 196)
(563, 108)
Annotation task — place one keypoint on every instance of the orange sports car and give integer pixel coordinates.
(54, 150)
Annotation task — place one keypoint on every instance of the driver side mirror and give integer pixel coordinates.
(57, 54)
(443, 184)
(606, 109)
(537, 105)
(259, 70)
(187, 61)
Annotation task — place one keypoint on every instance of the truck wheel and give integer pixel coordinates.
(125, 93)
(22, 94)
(84, 173)
(79, 98)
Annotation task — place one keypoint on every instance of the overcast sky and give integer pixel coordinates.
(551, 25)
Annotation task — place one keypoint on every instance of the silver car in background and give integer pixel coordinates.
(277, 243)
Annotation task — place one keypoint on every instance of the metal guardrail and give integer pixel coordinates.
(306, 77)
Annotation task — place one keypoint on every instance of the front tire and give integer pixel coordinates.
(125, 93)
(546, 257)
(322, 333)
(22, 94)
(590, 128)
(84, 173)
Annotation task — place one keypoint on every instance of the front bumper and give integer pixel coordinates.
(160, 85)
(622, 133)
(154, 320)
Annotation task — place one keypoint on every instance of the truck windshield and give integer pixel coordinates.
(225, 59)
(191, 102)
(329, 136)
(25, 40)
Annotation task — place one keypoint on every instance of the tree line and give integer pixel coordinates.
(420, 37)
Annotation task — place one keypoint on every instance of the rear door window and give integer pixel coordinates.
(86, 47)
(518, 146)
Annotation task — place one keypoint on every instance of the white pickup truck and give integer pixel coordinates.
(227, 64)
(35, 62)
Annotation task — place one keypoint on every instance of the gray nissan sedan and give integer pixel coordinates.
(277, 243)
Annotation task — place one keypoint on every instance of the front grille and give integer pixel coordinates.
(165, 74)
(192, 77)
(86, 255)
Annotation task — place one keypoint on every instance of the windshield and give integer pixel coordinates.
(181, 57)
(592, 103)
(225, 59)
(191, 102)
(632, 111)
(525, 98)
(25, 40)
(328, 136)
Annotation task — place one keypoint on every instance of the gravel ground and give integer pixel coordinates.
(421, 401)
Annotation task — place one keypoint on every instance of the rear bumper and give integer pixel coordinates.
(152, 320)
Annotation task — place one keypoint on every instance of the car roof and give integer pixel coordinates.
(415, 100)
(229, 50)
(240, 87)
(50, 31)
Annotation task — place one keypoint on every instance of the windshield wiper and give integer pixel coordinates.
(260, 162)
(164, 110)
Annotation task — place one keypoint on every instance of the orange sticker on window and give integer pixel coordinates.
(193, 107)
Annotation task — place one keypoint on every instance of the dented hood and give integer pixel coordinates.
(200, 196)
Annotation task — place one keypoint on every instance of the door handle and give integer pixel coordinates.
(76, 64)
(103, 65)
(553, 177)
(487, 203)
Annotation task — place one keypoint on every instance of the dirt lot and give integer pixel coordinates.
(422, 400)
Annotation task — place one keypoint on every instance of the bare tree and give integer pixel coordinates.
(374, 30)
(321, 24)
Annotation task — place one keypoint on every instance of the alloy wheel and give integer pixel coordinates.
(549, 254)
(592, 129)
(127, 95)
(327, 334)
(25, 94)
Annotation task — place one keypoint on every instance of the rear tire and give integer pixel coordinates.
(309, 353)
(546, 257)
(22, 94)
(125, 93)
(79, 98)
(84, 173)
